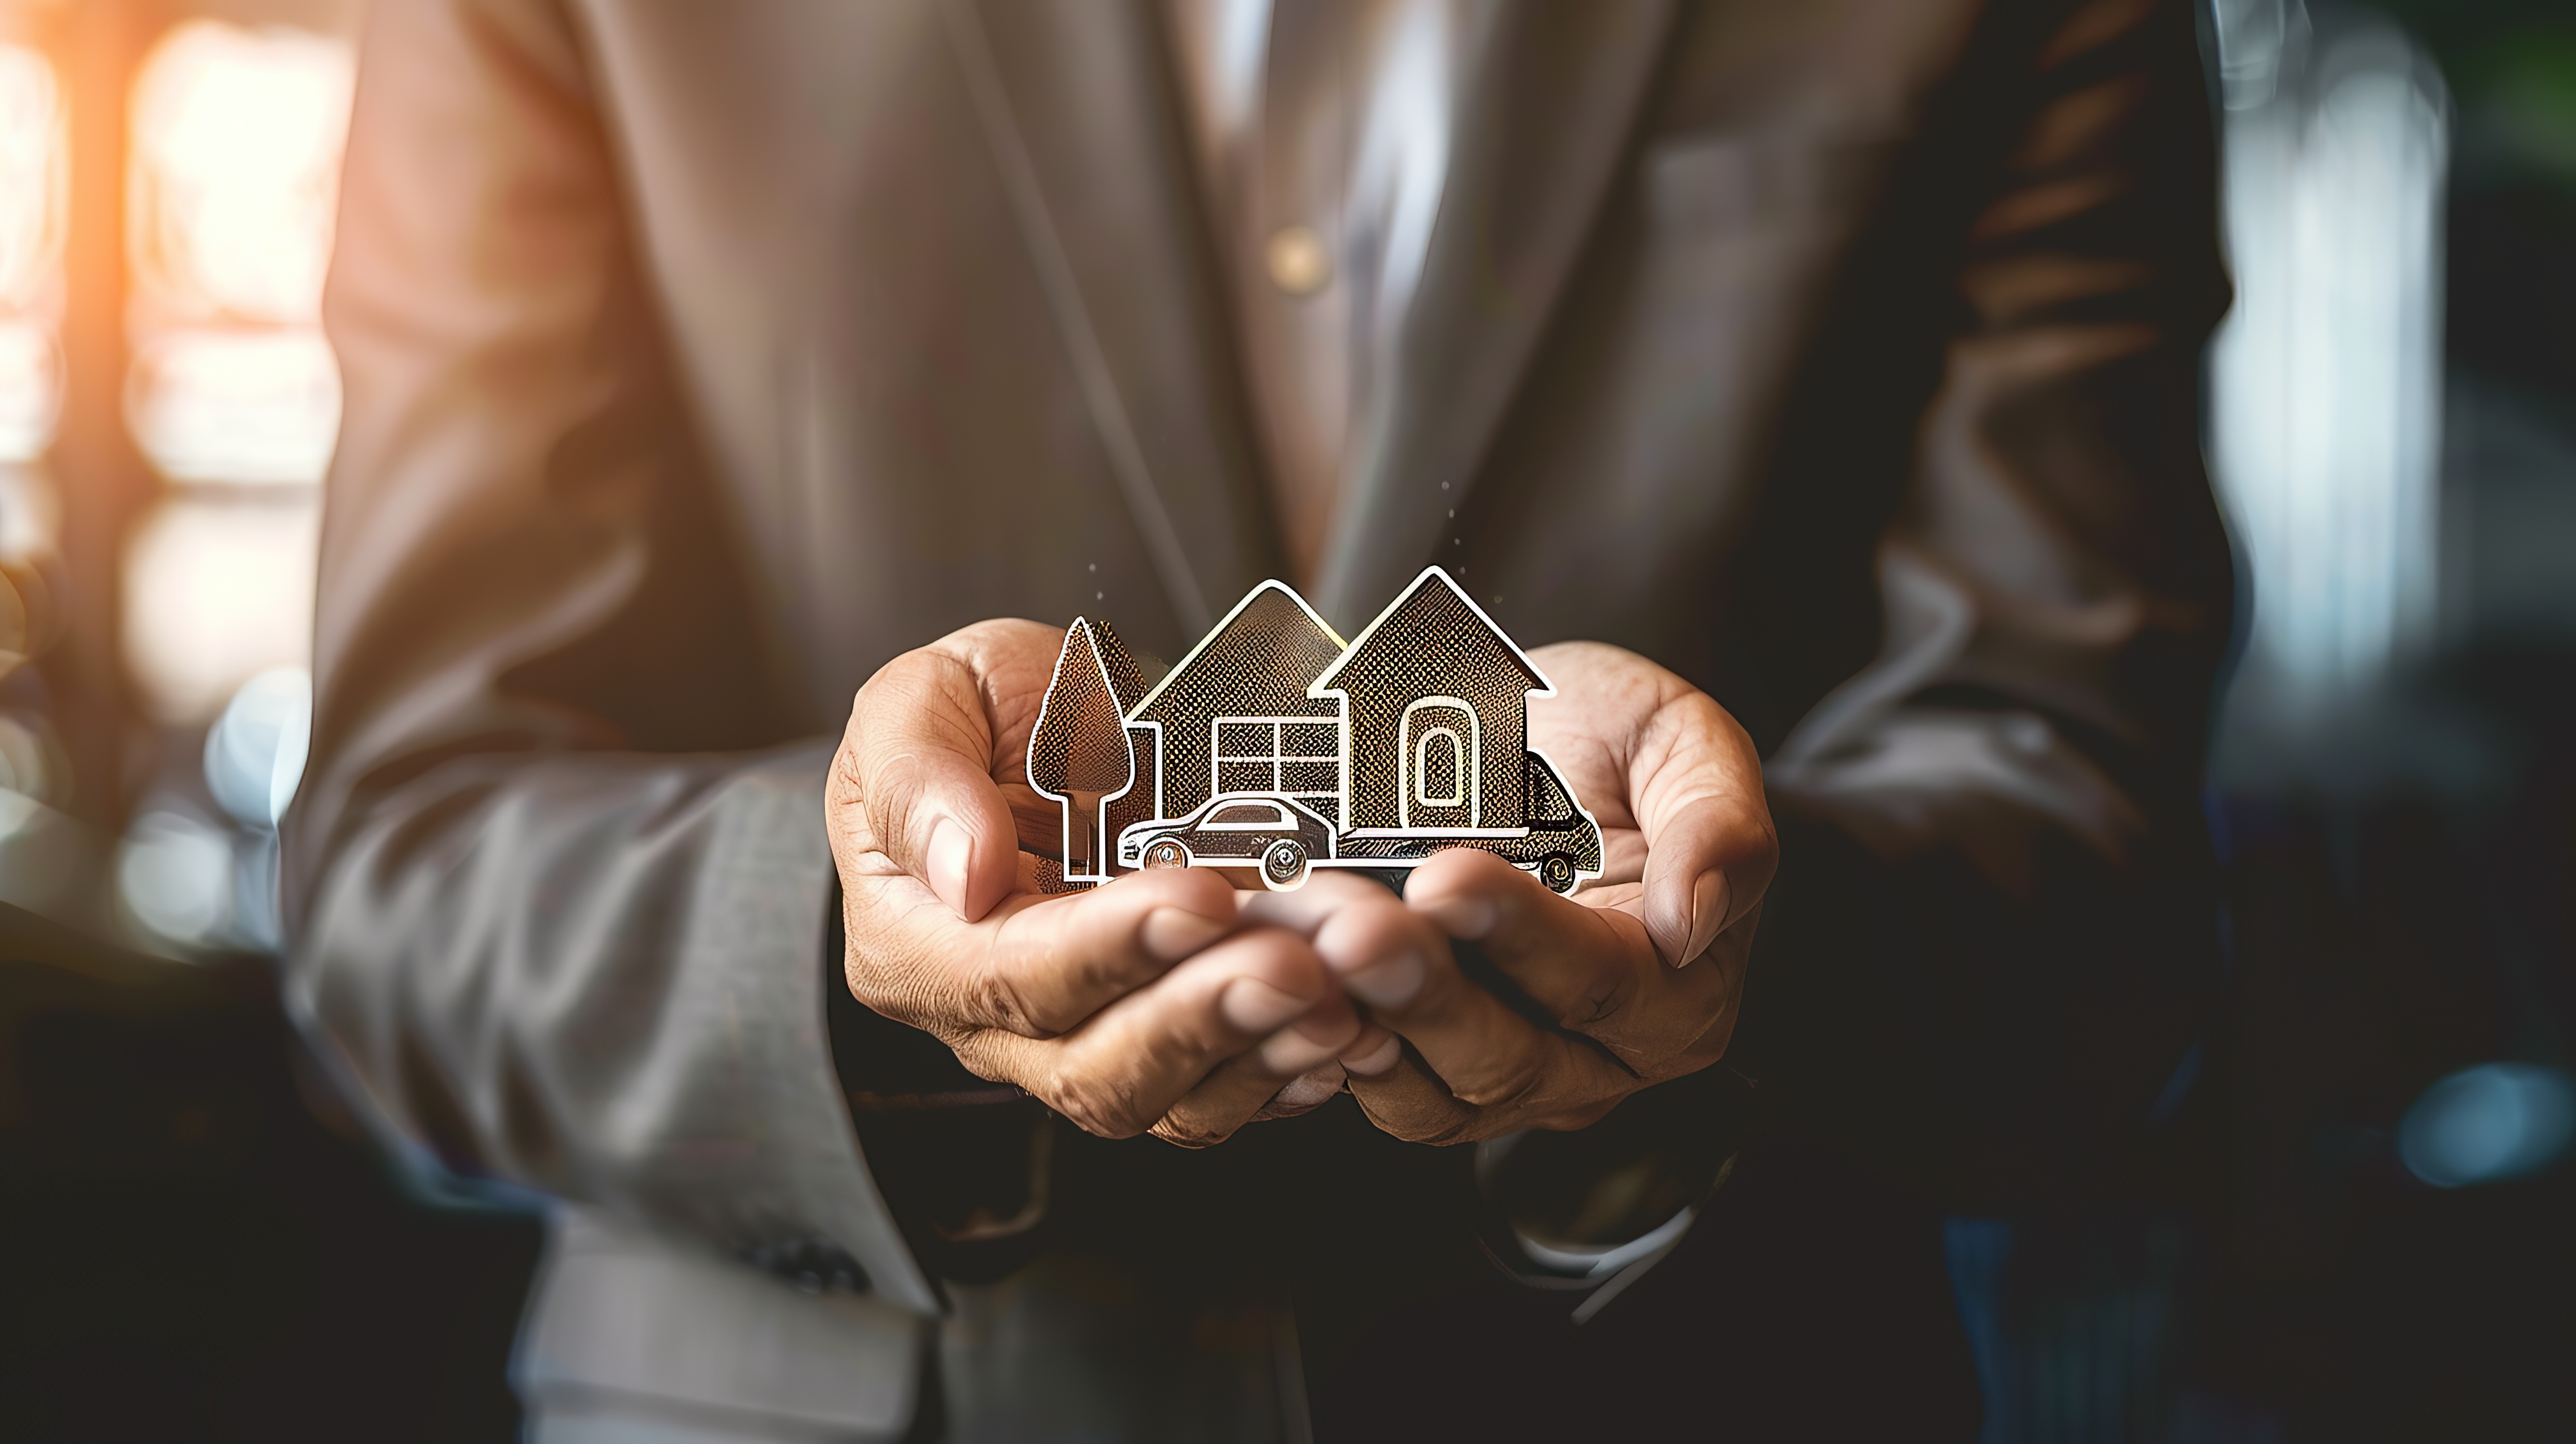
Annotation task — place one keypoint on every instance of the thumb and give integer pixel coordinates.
(1691, 892)
(919, 761)
(1710, 845)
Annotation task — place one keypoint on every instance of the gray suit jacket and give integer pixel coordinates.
(700, 358)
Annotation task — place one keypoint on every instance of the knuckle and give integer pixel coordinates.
(1600, 1002)
(843, 787)
(1438, 1128)
(1513, 1090)
(977, 1059)
(891, 797)
(1104, 1108)
(999, 1000)
(1182, 1132)
(903, 999)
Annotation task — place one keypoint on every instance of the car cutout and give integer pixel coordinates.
(1287, 840)
(1278, 835)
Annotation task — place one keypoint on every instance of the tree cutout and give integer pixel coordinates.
(1079, 755)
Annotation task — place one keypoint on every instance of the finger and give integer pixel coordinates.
(1369, 1055)
(1305, 1093)
(1380, 946)
(1595, 969)
(1404, 1099)
(1291, 1072)
(1679, 770)
(1707, 865)
(1125, 1068)
(1303, 910)
(919, 756)
(1385, 958)
(1411, 1103)
(1696, 790)
(1582, 964)
(1394, 960)
(1039, 966)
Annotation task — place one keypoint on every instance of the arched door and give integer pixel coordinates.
(1438, 782)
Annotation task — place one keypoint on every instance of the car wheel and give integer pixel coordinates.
(1284, 865)
(1166, 852)
(1558, 873)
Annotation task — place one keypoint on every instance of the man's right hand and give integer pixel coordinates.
(1144, 1004)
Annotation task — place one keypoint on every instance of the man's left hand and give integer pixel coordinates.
(1641, 970)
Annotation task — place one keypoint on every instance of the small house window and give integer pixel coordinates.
(1292, 756)
(1439, 769)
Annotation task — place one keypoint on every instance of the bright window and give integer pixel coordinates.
(2325, 382)
(232, 182)
(33, 173)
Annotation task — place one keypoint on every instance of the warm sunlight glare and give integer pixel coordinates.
(32, 180)
(233, 179)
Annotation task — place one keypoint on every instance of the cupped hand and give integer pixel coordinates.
(1641, 970)
(1147, 1004)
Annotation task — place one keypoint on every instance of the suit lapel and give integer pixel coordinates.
(1076, 101)
(1552, 94)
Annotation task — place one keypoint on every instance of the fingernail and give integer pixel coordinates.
(950, 851)
(1171, 934)
(1391, 984)
(1254, 1006)
(1376, 1060)
(1708, 913)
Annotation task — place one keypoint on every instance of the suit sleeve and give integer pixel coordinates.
(558, 872)
(1993, 945)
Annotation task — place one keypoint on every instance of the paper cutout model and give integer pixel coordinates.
(1277, 746)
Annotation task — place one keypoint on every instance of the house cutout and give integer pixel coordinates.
(1234, 714)
(1275, 745)
(1438, 705)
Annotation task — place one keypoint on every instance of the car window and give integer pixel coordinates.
(1548, 801)
(1249, 814)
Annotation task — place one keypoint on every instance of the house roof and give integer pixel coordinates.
(1271, 634)
(1433, 587)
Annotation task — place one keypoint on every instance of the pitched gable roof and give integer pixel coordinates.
(1423, 622)
(1271, 642)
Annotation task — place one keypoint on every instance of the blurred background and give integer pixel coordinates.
(2369, 1227)
(194, 1243)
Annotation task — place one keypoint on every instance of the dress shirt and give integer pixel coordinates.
(1320, 130)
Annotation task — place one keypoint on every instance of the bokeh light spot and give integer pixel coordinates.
(2486, 1124)
(175, 876)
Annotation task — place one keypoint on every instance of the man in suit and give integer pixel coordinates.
(1819, 380)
